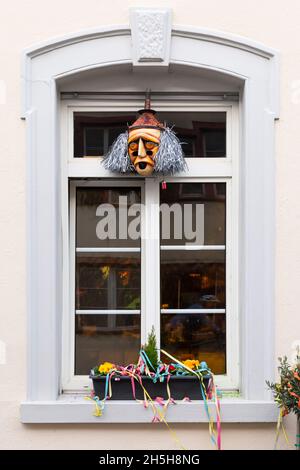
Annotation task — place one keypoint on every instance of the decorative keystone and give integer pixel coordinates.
(151, 35)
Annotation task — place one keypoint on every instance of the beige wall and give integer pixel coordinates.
(23, 23)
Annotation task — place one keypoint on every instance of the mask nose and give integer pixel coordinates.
(141, 150)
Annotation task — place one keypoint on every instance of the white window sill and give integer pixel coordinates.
(76, 409)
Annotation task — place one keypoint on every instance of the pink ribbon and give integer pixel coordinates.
(159, 401)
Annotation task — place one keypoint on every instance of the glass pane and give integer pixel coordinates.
(192, 279)
(214, 143)
(95, 132)
(108, 281)
(114, 132)
(100, 338)
(93, 141)
(203, 134)
(102, 217)
(201, 337)
(193, 213)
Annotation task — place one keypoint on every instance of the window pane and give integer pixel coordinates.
(114, 132)
(95, 132)
(203, 134)
(93, 215)
(202, 337)
(108, 277)
(93, 141)
(100, 338)
(206, 204)
(108, 281)
(192, 279)
(214, 143)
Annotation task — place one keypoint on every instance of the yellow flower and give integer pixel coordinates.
(191, 363)
(106, 367)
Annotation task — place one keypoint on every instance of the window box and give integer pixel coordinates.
(180, 387)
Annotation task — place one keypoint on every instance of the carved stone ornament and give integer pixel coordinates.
(151, 35)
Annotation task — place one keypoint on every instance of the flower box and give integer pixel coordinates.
(180, 387)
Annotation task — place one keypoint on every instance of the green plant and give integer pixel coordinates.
(150, 349)
(287, 391)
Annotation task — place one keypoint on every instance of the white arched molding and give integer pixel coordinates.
(257, 68)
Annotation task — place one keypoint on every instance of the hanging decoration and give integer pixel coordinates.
(147, 147)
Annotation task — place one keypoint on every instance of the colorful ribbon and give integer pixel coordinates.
(215, 438)
(279, 426)
(159, 405)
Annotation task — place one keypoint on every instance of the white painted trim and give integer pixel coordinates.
(88, 168)
(151, 259)
(108, 250)
(75, 409)
(186, 31)
(192, 247)
(107, 312)
(244, 44)
(256, 66)
(192, 311)
(69, 262)
(225, 38)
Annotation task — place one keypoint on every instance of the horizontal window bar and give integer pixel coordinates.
(107, 312)
(192, 311)
(108, 250)
(124, 95)
(193, 247)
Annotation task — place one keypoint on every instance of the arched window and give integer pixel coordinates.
(85, 295)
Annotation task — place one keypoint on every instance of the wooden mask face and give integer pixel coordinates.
(143, 145)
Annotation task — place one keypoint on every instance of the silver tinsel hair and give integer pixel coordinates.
(117, 158)
(169, 158)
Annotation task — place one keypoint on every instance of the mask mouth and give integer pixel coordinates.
(144, 168)
(142, 165)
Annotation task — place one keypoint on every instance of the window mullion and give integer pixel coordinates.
(150, 260)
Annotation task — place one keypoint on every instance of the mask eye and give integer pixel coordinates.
(133, 145)
(150, 145)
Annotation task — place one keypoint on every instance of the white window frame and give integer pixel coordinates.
(212, 168)
(245, 65)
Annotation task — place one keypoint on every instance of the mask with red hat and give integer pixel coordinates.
(147, 147)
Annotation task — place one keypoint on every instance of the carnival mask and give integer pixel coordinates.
(143, 145)
(148, 146)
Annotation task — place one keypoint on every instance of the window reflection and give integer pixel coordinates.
(192, 279)
(100, 338)
(198, 336)
(95, 132)
(108, 278)
(108, 281)
(203, 134)
(213, 198)
(87, 202)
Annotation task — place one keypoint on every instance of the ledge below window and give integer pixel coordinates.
(76, 409)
